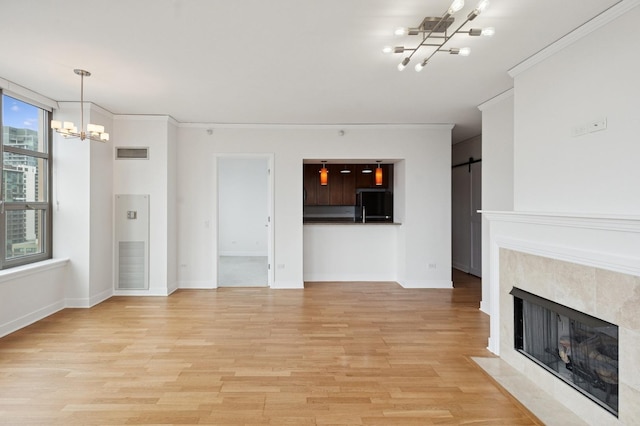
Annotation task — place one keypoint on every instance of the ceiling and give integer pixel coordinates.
(274, 61)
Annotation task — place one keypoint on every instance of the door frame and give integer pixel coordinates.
(269, 157)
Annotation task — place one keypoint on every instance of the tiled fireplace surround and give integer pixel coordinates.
(589, 263)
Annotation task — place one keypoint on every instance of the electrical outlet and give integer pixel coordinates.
(432, 266)
(593, 126)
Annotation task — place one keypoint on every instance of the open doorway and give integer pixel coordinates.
(244, 221)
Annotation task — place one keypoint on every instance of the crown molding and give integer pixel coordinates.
(149, 117)
(496, 99)
(587, 28)
(285, 126)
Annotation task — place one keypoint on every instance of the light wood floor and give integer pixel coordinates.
(332, 354)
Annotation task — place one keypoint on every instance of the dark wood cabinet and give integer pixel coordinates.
(341, 187)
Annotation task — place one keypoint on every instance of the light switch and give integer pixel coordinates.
(132, 214)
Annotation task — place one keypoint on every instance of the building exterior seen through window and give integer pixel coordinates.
(25, 212)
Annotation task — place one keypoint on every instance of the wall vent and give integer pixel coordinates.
(132, 242)
(131, 153)
(131, 265)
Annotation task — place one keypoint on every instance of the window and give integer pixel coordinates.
(25, 193)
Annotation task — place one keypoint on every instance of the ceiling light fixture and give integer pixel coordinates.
(94, 132)
(435, 34)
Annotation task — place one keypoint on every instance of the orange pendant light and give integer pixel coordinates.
(324, 175)
(379, 175)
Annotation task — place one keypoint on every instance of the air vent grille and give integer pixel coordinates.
(130, 153)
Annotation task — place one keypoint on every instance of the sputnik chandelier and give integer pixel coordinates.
(94, 132)
(435, 33)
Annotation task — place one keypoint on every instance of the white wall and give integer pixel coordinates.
(156, 178)
(423, 238)
(242, 206)
(172, 206)
(101, 213)
(497, 173)
(82, 209)
(366, 252)
(596, 77)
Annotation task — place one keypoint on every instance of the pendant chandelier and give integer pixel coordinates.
(324, 174)
(434, 33)
(94, 132)
(378, 175)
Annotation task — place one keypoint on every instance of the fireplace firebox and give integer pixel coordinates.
(576, 347)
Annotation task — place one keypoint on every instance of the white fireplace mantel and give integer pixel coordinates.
(609, 244)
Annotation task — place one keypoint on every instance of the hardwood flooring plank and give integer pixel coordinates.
(331, 354)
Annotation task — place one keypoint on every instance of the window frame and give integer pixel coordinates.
(43, 206)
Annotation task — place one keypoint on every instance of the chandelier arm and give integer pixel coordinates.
(425, 37)
(446, 39)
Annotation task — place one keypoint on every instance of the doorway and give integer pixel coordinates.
(244, 221)
(466, 222)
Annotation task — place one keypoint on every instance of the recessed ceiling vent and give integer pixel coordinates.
(130, 153)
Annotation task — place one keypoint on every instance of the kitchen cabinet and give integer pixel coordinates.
(341, 188)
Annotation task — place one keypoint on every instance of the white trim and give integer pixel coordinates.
(32, 268)
(617, 263)
(496, 99)
(346, 278)
(30, 318)
(197, 285)
(587, 28)
(151, 292)
(141, 117)
(287, 285)
(243, 253)
(426, 283)
(24, 94)
(100, 297)
(71, 105)
(570, 220)
(290, 126)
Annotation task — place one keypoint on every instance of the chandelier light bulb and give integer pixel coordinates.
(482, 6)
(402, 65)
(490, 31)
(465, 51)
(455, 6)
(421, 65)
(387, 49)
(401, 31)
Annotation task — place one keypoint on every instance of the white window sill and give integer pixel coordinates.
(32, 268)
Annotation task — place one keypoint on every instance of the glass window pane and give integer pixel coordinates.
(24, 178)
(24, 232)
(23, 125)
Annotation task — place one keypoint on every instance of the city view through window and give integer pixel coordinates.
(25, 159)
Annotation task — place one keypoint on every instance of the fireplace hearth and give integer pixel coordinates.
(576, 347)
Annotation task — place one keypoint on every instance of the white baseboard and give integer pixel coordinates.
(281, 285)
(426, 283)
(100, 297)
(29, 319)
(243, 253)
(197, 285)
